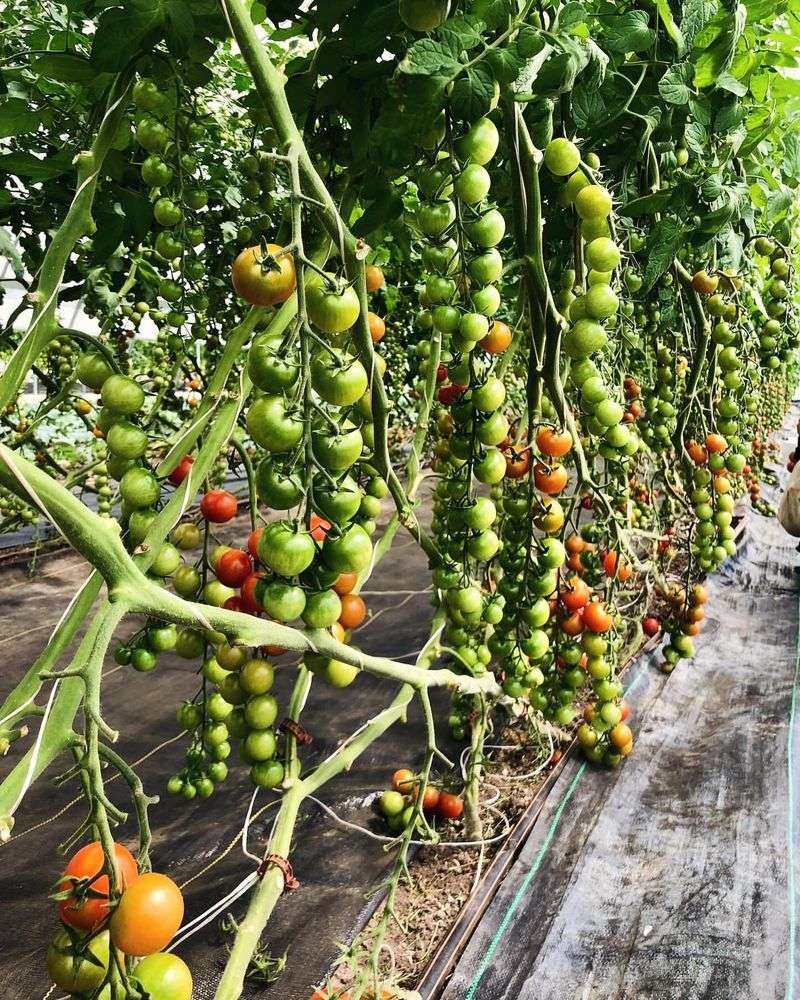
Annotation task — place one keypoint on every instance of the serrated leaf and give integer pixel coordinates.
(474, 93)
(461, 34)
(695, 15)
(718, 57)
(791, 155)
(587, 106)
(666, 238)
(572, 14)
(674, 85)
(428, 57)
(123, 31)
(178, 27)
(378, 214)
(725, 81)
(696, 137)
(630, 32)
(31, 168)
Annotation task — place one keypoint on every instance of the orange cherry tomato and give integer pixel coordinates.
(550, 480)
(553, 443)
(403, 781)
(148, 915)
(377, 327)
(375, 278)
(716, 443)
(596, 617)
(498, 339)
(354, 611)
(572, 624)
(576, 594)
(344, 583)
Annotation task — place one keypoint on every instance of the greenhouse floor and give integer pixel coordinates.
(673, 877)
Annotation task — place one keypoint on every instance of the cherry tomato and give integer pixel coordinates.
(252, 541)
(354, 611)
(450, 806)
(89, 912)
(181, 470)
(403, 780)
(344, 583)
(262, 282)
(219, 506)
(164, 977)
(233, 567)
(148, 915)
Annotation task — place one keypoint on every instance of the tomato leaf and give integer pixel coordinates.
(428, 57)
(695, 15)
(474, 93)
(629, 32)
(671, 28)
(719, 55)
(674, 85)
(648, 204)
(32, 168)
(666, 238)
(17, 117)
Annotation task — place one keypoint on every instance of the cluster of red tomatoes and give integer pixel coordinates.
(137, 924)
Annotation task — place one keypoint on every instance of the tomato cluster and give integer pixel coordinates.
(137, 922)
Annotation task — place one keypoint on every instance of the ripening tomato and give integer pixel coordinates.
(430, 797)
(498, 339)
(377, 327)
(715, 443)
(614, 566)
(181, 470)
(87, 912)
(148, 915)
(572, 624)
(697, 453)
(375, 278)
(518, 462)
(576, 595)
(699, 594)
(344, 583)
(596, 617)
(248, 593)
(621, 735)
(553, 443)
(264, 282)
(233, 567)
(354, 611)
(651, 626)
(252, 541)
(450, 806)
(575, 544)
(625, 708)
(550, 479)
(703, 283)
(319, 528)
(403, 780)
(448, 394)
(219, 506)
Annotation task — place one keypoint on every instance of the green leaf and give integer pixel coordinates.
(428, 57)
(588, 107)
(671, 28)
(627, 32)
(178, 27)
(461, 34)
(648, 204)
(727, 82)
(31, 168)
(17, 117)
(674, 85)
(474, 93)
(666, 238)
(695, 15)
(378, 214)
(67, 67)
(791, 155)
(718, 57)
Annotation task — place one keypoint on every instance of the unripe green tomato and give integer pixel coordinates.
(562, 157)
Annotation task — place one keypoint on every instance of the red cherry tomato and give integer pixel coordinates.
(441, 374)
(87, 912)
(234, 567)
(181, 470)
(219, 506)
(234, 604)
(651, 626)
(450, 806)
